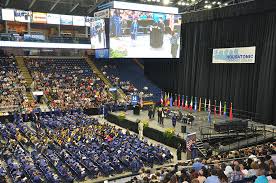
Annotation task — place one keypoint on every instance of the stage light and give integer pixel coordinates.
(179, 3)
(214, 2)
(225, 4)
(219, 3)
(187, 4)
(206, 2)
(183, 4)
(206, 6)
(209, 6)
(166, 2)
(193, 0)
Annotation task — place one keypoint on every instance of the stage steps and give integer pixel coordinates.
(201, 149)
(28, 78)
(101, 75)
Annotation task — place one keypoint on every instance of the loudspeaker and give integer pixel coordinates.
(183, 129)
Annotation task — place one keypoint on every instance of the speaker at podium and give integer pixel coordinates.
(136, 110)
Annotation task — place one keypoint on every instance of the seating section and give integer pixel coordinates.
(68, 83)
(130, 77)
(242, 166)
(12, 86)
(74, 146)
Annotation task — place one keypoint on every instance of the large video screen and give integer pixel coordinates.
(97, 33)
(8, 14)
(22, 16)
(137, 34)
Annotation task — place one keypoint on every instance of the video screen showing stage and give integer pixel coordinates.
(137, 34)
(97, 33)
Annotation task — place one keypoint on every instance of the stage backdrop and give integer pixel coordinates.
(251, 87)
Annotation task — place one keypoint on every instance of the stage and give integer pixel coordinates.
(205, 130)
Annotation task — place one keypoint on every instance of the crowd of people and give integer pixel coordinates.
(249, 165)
(89, 148)
(68, 83)
(12, 86)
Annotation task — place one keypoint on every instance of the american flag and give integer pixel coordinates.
(190, 140)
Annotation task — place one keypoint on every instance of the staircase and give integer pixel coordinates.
(23, 69)
(102, 77)
(199, 145)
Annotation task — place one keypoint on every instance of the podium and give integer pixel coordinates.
(156, 38)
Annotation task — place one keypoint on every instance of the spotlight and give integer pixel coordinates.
(214, 2)
(193, 0)
(225, 4)
(219, 3)
(187, 4)
(210, 6)
(183, 4)
(206, 2)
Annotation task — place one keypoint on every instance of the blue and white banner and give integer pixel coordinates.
(242, 55)
(134, 99)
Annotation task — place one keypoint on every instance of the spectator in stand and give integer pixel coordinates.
(213, 178)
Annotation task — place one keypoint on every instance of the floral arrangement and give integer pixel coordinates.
(169, 133)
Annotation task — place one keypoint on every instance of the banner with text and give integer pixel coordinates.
(242, 55)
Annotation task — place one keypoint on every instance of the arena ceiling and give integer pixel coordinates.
(87, 7)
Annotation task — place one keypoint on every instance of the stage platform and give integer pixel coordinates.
(205, 130)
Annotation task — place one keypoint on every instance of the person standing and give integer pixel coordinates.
(140, 129)
(174, 120)
(179, 151)
(174, 44)
(162, 117)
(134, 31)
(159, 113)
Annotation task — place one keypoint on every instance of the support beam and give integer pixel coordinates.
(74, 7)
(32, 3)
(54, 5)
(94, 7)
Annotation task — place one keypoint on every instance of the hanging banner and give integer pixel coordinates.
(102, 14)
(241, 55)
(190, 141)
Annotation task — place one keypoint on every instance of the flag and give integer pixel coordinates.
(209, 117)
(220, 108)
(191, 103)
(224, 110)
(215, 108)
(209, 106)
(190, 140)
(165, 100)
(205, 104)
(178, 102)
(161, 98)
(175, 100)
(141, 102)
(199, 105)
(168, 100)
(231, 112)
(182, 101)
(195, 107)
(186, 103)
(171, 101)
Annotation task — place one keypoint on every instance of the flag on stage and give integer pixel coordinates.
(190, 141)
(224, 110)
(195, 107)
(215, 108)
(161, 98)
(182, 101)
(178, 102)
(231, 112)
(199, 105)
(175, 100)
(141, 102)
(205, 104)
(171, 101)
(165, 100)
(220, 108)
(186, 103)
(209, 106)
(209, 117)
(191, 104)
(168, 100)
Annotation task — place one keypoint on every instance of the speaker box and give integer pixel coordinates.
(183, 129)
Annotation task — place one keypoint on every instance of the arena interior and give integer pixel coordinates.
(145, 91)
